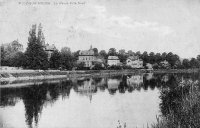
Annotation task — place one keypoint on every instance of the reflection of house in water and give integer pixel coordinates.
(113, 85)
(165, 78)
(149, 76)
(87, 88)
(135, 81)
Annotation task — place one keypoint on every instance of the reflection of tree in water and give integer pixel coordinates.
(35, 97)
(149, 83)
(112, 91)
(97, 80)
(9, 96)
(123, 85)
(65, 87)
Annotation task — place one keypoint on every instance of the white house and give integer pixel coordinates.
(149, 66)
(134, 62)
(113, 60)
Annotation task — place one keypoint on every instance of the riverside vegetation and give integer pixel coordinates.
(180, 107)
(183, 109)
(35, 56)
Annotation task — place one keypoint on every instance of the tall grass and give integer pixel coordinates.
(186, 111)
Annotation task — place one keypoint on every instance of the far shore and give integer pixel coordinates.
(57, 74)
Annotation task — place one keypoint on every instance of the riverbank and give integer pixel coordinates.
(19, 75)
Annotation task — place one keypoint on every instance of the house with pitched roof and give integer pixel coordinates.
(113, 60)
(49, 49)
(134, 62)
(87, 56)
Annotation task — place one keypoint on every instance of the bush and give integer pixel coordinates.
(114, 67)
(80, 66)
(98, 66)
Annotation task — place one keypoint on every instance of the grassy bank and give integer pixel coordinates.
(196, 70)
(52, 74)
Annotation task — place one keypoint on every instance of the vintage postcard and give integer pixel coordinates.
(99, 63)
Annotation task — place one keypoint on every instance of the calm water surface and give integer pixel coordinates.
(87, 102)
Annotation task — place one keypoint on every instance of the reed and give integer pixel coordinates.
(188, 114)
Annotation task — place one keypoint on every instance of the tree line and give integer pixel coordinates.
(35, 56)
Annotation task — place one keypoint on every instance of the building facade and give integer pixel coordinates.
(49, 49)
(149, 66)
(134, 62)
(87, 56)
(113, 60)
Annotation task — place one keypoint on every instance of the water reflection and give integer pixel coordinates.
(36, 97)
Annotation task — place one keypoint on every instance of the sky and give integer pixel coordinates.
(137, 25)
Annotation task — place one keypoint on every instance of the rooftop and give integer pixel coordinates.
(50, 47)
(113, 58)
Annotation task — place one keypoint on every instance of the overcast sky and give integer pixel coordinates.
(138, 25)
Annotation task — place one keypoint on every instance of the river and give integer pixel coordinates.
(106, 102)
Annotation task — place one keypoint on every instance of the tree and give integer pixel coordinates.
(65, 50)
(163, 56)
(138, 54)
(172, 58)
(198, 58)
(98, 66)
(67, 59)
(17, 60)
(122, 51)
(122, 56)
(112, 52)
(2, 56)
(145, 57)
(103, 54)
(10, 52)
(130, 53)
(152, 57)
(55, 60)
(36, 57)
(194, 63)
(158, 58)
(75, 55)
(177, 64)
(186, 63)
(95, 51)
(80, 65)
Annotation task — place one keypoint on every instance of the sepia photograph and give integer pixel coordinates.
(99, 63)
